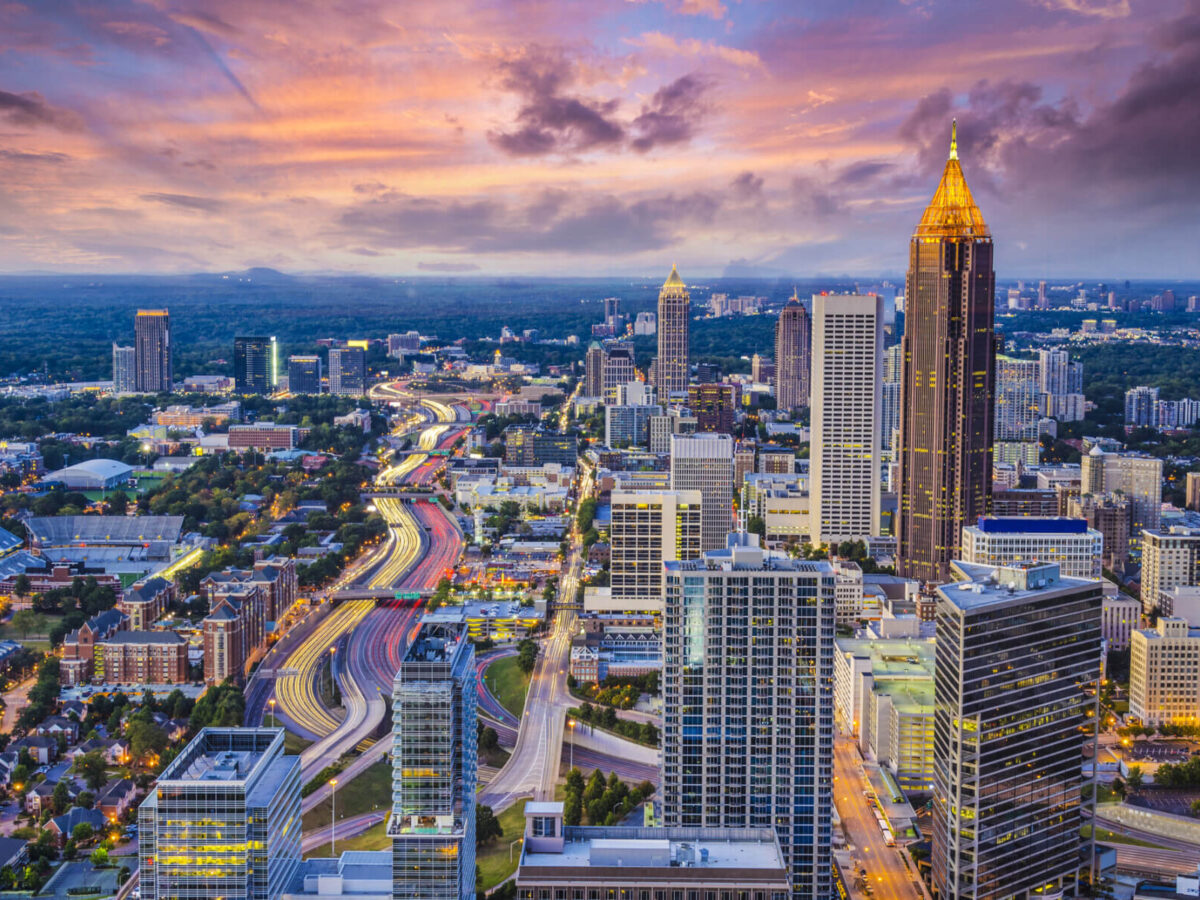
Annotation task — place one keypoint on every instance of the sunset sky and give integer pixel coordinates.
(603, 137)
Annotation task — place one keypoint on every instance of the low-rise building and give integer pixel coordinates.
(79, 650)
(263, 436)
(1164, 673)
(993, 541)
(146, 601)
(500, 620)
(1119, 618)
(781, 501)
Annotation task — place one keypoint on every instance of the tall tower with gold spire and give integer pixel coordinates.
(947, 375)
(674, 321)
(793, 355)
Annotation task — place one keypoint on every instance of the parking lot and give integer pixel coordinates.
(1167, 800)
(73, 878)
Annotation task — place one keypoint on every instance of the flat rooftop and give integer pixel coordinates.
(987, 585)
(587, 848)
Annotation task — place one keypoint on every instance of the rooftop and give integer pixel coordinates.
(104, 529)
(224, 754)
(987, 585)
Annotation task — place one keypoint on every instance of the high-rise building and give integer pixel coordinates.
(1076, 549)
(253, 364)
(674, 326)
(1192, 492)
(648, 530)
(347, 372)
(617, 370)
(304, 374)
(593, 367)
(949, 350)
(532, 445)
(847, 364)
(748, 701)
(628, 424)
(400, 345)
(1170, 558)
(1109, 514)
(613, 319)
(124, 369)
(713, 406)
(1017, 401)
(889, 401)
(762, 370)
(645, 324)
(152, 347)
(793, 356)
(1141, 407)
(675, 420)
(434, 760)
(223, 819)
(1164, 672)
(1007, 801)
(1060, 383)
(1043, 302)
(1137, 477)
(704, 463)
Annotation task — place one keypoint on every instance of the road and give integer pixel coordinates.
(15, 701)
(890, 879)
(346, 828)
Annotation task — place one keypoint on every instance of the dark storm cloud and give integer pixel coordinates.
(673, 113)
(186, 201)
(30, 109)
(28, 157)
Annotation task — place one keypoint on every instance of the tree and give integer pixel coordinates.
(21, 585)
(487, 826)
(1134, 779)
(756, 525)
(82, 833)
(527, 652)
(26, 621)
(93, 768)
(145, 738)
(99, 857)
(489, 741)
(60, 800)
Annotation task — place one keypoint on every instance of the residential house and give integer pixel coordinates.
(53, 726)
(43, 749)
(62, 827)
(117, 799)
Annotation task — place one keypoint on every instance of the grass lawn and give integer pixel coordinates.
(370, 790)
(1106, 794)
(1103, 834)
(508, 684)
(492, 860)
(374, 838)
(292, 743)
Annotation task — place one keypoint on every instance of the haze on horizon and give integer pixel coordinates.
(603, 138)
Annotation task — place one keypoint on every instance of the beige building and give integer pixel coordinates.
(1119, 618)
(1164, 673)
(783, 503)
(647, 530)
(993, 541)
(1193, 490)
(1170, 557)
(1138, 478)
(671, 368)
(704, 463)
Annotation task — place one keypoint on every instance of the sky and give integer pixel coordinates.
(594, 137)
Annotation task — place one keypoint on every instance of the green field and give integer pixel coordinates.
(374, 838)
(292, 743)
(1111, 837)
(508, 684)
(493, 860)
(370, 790)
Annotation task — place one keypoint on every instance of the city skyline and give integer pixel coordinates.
(734, 138)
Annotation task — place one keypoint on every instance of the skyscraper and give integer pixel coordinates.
(304, 374)
(713, 406)
(434, 760)
(748, 701)
(617, 369)
(674, 324)
(847, 362)
(223, 819)
(152, 347)
(1018, 653)
(252, 364)
(949, 348)
(348, 372)
(649, 529)
(124, 369)
(593, 378)
(793, 356)
(704, 463)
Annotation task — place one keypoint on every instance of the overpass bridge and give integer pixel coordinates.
(399, 492)
(378, 594)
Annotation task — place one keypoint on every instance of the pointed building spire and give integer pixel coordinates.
(954, 138)
(952, 212)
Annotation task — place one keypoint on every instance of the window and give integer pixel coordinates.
(544, 826)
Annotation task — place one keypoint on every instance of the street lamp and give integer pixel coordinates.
(571, 723)
(332, 818)
(332, 651)
(274, 721)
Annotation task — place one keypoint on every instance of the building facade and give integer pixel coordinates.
(704, 463)
(254, 365)
(142, 658)
(793, 356)
(304, 374)
(124, 369)
(1170, 557)
(949, 354)
(223, 819)
(1077, 549)
(847, 365)
(713, 406)
(748, 701)
(348, 372)
(1164, 672)
(1137, 477)
(673, 364)
(1017, 676)
(1121, 616)
(152, 351)
(647, 531)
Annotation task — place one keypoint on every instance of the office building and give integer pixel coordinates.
(793, 356)
(263, 436)
(1170, 557)
(1077, 549)
(783, 503)
(762, 370)
(613, 319)
(1120, 617)
(672, 366)
(718, 864)
(1017, 403)
(152, 351)
(593, 368)
(1192, 492)
(223, 819)
(529, 445)
(628, 426)
(304, 374)
(713, 407)
(748, 701)
(649, 529)
(1057, 374)
(645, 324)
(1137, 477)
(255, 366)
(883, 695)
(434, 762)
(949, 364)
(348, 372)
(675, 420)
(1017, 673)
(400, 345)
(124, 369)
(617, 370)
(1164, 672)
(1110, 515)
(704, 463)
(847, 364)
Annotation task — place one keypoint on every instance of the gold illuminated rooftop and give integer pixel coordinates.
(952, 212)
(673, 280)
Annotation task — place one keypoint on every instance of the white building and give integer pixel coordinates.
(1170, 558)
(1119, 618)
(1164, 673)
(704, 462)
(847, 365)
(783, 503)
(1077, 549)
(648, 530)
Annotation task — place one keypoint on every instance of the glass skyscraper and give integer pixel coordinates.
(434, 759)
(223, 820)
(748, 701)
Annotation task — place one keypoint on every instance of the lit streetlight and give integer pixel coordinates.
(332, 818)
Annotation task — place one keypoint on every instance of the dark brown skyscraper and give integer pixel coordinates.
(674, 320)
(152, 350)
(948, 369)
(793, 356)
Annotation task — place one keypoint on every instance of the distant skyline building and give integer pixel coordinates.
(847, 365)
(124, 369)
(254, 365)
(152, 346)
(1017, 674)
(672, 366)
(593, 370)
(793, 356)
(704, 463)
(1141, 407)
(304, 374)
(1017, 406)
(949, 353)
(223, 819)
(748, 701)
(434, 763)
(347, 372)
